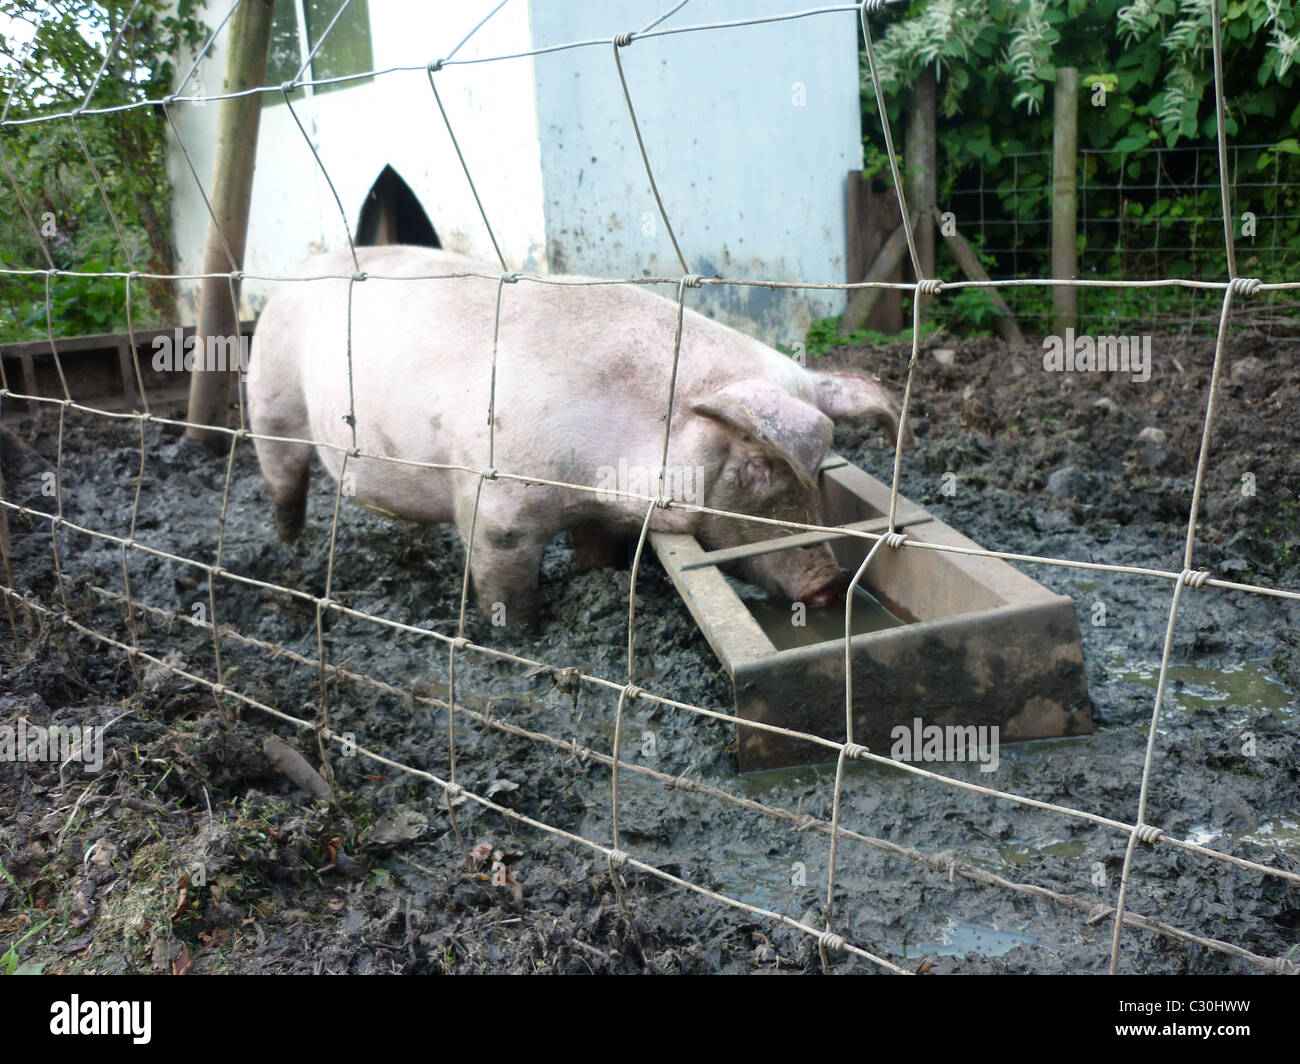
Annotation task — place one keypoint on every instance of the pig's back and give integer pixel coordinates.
(573, 360)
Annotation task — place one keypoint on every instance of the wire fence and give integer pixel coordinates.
(1143, 214)
(225, 684)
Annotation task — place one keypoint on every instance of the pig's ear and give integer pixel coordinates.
(851, 397)
(782, 425)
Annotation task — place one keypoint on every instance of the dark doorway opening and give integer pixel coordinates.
(392, 215)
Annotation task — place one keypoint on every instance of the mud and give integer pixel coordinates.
(187, 852)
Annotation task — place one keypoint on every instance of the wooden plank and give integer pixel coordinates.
(886, 217)
(1005, 322)
(102, 341)
(871, 217)
(126, 368)
(863, 302)
(908, 514)
(731, 630)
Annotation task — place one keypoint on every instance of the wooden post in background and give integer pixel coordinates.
(872, 216)
(920, 177)
(232, 188)
(969, 261)
(1065, 198)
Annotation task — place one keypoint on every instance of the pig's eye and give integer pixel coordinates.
(756, 475)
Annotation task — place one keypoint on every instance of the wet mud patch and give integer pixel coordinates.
(187, 851)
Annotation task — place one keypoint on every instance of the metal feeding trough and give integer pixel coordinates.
(952, 639)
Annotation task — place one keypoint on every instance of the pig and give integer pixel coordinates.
(582, 385)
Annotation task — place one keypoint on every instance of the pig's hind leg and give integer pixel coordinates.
(286, 468)
(597, 545)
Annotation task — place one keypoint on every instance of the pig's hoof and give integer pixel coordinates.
(289, 520)
(518, 612)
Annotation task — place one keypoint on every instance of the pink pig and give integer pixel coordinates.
(582, 384)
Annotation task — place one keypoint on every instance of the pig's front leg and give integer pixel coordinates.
(505, 562)
(505, 581)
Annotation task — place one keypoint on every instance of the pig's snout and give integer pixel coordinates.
(810, 575)
(829, 592)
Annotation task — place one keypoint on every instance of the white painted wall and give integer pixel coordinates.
(390, 120)
(753, 184)
(750, 132)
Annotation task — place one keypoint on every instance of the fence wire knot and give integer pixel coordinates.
(1246, 286)
(1194, 577)
(830, 940)
(286, 87)
(459, 643)
(490, 473)
(453, 790)
(622, 40)
(360, 276)
(618, 857)
(894, 539)
(510, 278)
(930, 286)
(664, 502)
(855, 750)
(632, 691)
(1149, 833)
(873, 5)
(435, 65)
(693, 280)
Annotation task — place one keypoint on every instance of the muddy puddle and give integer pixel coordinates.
(1250, 686)
(377, 880)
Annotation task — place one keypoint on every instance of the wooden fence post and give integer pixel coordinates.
(921, 146)
(232, 188)
(1065, 198)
